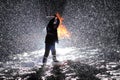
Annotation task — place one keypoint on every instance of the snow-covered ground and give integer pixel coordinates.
(26, 62)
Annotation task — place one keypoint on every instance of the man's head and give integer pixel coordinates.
(55, 15)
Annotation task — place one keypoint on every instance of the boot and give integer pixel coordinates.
(54, 59)
(44, 61)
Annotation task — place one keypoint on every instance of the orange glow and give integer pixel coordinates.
(62, 30)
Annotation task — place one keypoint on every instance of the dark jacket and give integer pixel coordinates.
(52, 35)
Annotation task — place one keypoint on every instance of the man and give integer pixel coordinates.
(51, 39)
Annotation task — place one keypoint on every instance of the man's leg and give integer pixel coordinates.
(54, 52)
(47, 50)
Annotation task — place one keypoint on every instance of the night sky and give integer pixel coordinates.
(93, 23)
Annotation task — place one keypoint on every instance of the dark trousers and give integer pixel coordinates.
(49, 47)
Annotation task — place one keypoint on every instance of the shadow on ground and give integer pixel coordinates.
(70, 71)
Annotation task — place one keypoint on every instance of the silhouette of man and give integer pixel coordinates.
(51, 39)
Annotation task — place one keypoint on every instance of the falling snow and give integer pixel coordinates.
(94, 26)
